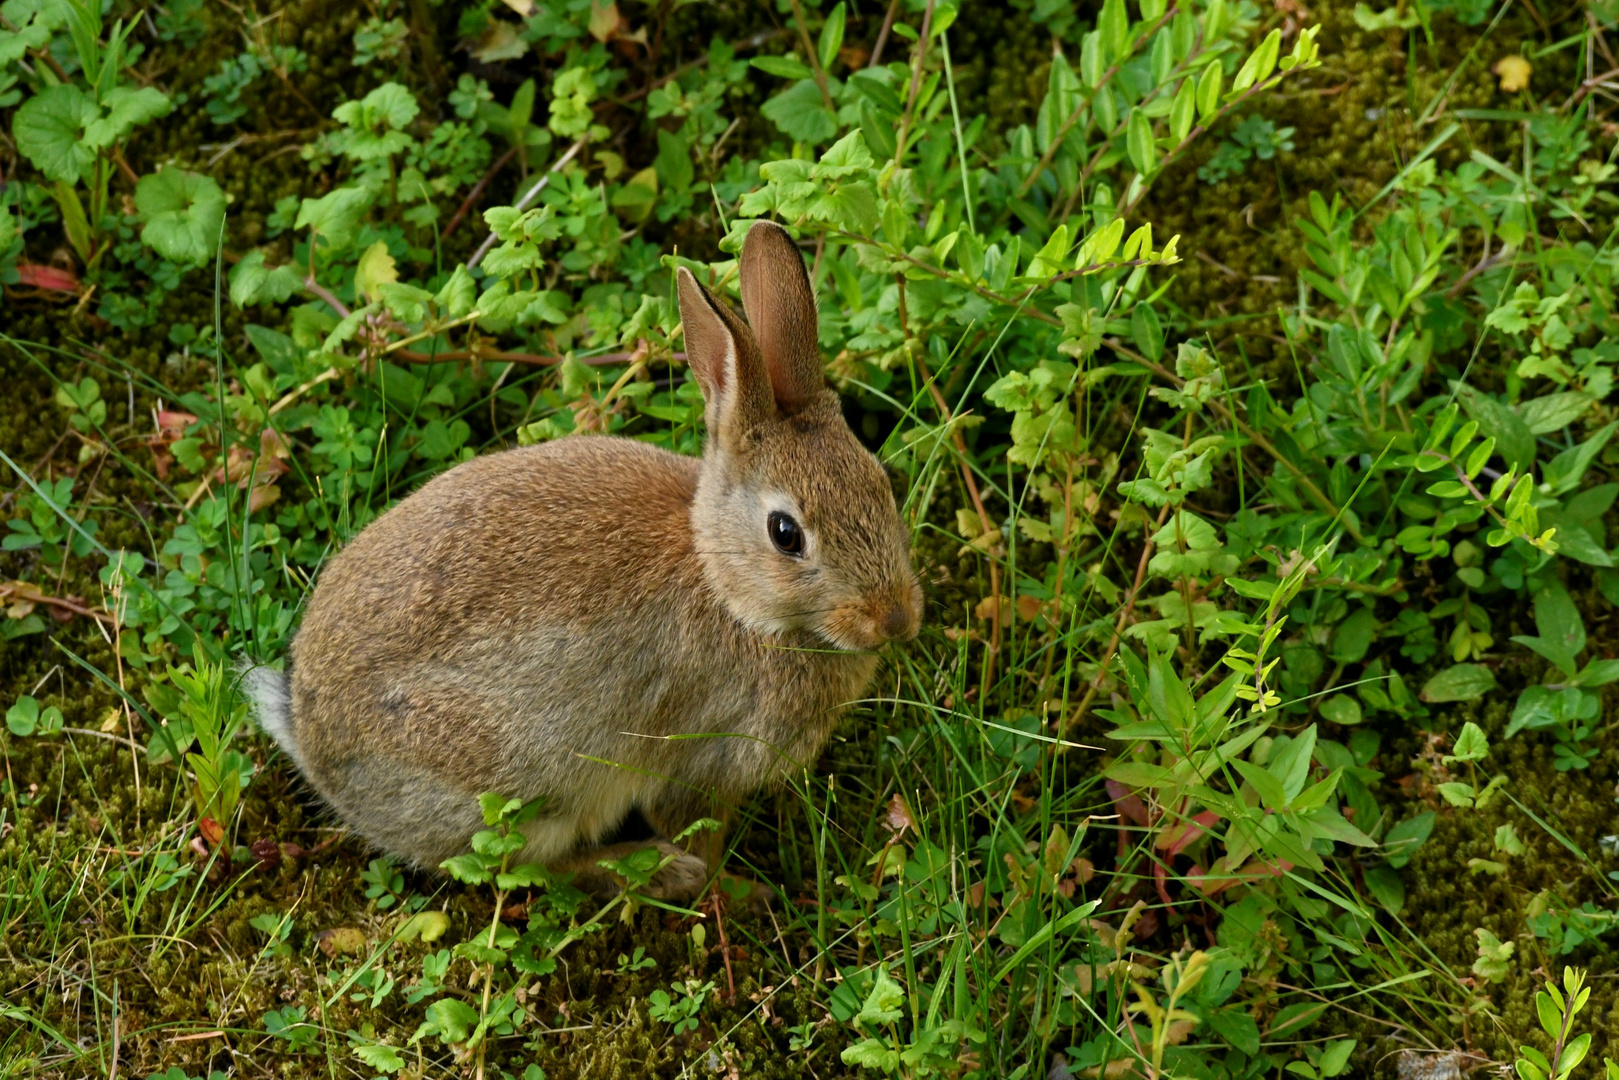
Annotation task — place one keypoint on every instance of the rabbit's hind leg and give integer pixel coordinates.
(406, 810)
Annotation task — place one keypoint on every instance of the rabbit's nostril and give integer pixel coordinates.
(896, 622)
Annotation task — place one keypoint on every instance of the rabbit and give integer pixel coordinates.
(555, 621)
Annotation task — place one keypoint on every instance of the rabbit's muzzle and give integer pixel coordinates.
(876, 621)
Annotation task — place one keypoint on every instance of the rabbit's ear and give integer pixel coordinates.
(780, 302)
(724, 357)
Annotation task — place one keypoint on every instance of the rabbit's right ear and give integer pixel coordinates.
(723, 355)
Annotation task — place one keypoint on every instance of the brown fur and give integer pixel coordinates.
(540, 622)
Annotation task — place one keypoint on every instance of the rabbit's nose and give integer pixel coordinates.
(896, 623)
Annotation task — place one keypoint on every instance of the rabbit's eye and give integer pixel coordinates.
(785, 533)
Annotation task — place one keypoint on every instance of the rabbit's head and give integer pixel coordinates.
(794, 520)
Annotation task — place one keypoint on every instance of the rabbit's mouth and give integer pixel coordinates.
(867, 624)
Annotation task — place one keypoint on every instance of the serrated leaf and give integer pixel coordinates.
(251, 282)
(457, 295)
(468, 869)
(800, 113)
(47, 128)
(380, 1056)
(375, 269)
(127, 108)
(336, 216)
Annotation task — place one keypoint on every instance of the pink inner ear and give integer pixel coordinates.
(780, 303)
(708, 341)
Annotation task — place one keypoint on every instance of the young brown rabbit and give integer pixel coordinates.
(540, 622)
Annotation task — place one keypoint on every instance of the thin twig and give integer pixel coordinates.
(1118, 630)
(477, 190)
(109, 736)
(30, 594)
(882, 35)
(725, 945)
(916, 81)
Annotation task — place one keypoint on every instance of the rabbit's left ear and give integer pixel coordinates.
(780, 304)
(722, 354)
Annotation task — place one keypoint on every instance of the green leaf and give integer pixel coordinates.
(884, 1004)
(184, 213)
(469, 869)
(27, 718)
(1260, 64)
(1291, 765)
(1184, 110)
(846, 157)
(1402, 841)
(1513, 439)
(1353, 637)
(1341, 709)
(1147, 331)
(450, 1019)
(1139, 142)
(127, 108)
(1574, 1053)
(251, 282)
(1208, 93)
(375, 269)
(1295, 1018)
(389, 104)
(380, 1056)
(673, 162)
(800, 113)
(1558, 619)
(456, 298)
(1471, 745)
(1237, 1028)
(874, 1054)
(1271, 793)
(785, 67)
(47, 128)
(832, 36)
(1462, 682)
(1565, 471)
(1550, 1016)
(1335, 1058)
(1457, 793)
(1554, 412)
(336, 216)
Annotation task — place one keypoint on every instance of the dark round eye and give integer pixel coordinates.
(785, 533)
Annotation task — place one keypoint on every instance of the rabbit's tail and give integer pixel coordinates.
(270, 693)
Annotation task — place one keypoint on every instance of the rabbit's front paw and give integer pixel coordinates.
(682, 879)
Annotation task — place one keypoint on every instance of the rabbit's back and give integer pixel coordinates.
(536, 622)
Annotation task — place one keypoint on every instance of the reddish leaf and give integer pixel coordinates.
(212, 831)
(1129, 806)
(47, 277)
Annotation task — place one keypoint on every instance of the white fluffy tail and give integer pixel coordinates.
(270, 694)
